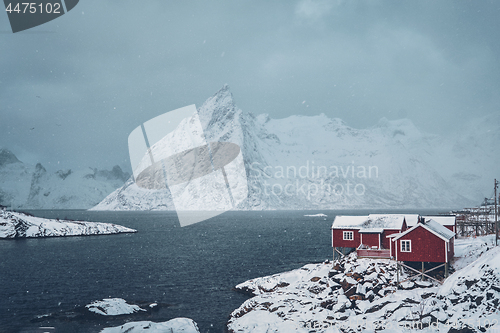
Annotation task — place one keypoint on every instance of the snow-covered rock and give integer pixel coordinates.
(19, 225)
(108, 307)
(33, 187)
(360, 295)
(113, 307)
(176, 325)
(316, 162)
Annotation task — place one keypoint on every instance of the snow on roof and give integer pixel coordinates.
(439, 229)
(441, 219)
(348, 222)
(411, 219)
(385, 221)
(372, 221)
(432, 226)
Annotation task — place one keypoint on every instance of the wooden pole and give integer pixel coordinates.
(496, 217)
(446, 270)
(422, 271)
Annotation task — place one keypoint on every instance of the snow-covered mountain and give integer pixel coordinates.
(28, 186)
(315, 162)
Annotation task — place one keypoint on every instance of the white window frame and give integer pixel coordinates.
(405, 248)
(348, 235)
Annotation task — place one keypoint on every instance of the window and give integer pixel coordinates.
(348, 235)
(406, 246)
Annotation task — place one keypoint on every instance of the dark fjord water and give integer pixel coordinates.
(192, 268)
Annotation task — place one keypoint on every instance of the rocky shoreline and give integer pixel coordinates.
(354, 295)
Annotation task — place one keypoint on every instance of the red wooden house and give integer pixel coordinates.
(427, 241)
(368, 234)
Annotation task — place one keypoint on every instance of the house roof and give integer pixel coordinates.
(431, 226)
(442, 219)
(348, 222)
(411, 219)
(372, 222)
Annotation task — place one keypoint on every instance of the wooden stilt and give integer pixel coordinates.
(423, 270)
(420, 273)
(340, 253)
(446, 270)
(397, 273)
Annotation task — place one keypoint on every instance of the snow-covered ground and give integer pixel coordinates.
(317, 215)
(176, 325)
(467, 250)
(19, 225)
(360, 295)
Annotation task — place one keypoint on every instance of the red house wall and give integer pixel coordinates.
(386, 241)
(451, 227)
(338, 238)
(425, 246)
(370, 239)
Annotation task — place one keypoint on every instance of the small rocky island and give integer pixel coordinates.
(20, 225)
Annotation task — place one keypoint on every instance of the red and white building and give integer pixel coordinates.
(403, 237)
(427, 241)
(368, 233)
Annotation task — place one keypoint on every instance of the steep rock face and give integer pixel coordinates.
(316, 162)
(15, 180)
(72, 189)
(7, 157)
(25, 186)
(223, 121)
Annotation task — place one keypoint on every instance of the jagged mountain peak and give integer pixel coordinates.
(39, 168)
(7, 157)
(220, 103)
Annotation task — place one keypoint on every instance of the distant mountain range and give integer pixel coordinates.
(315, 162)
(33, 187)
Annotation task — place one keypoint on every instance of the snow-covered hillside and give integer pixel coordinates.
(360, 295)
(33, 187)
(19, 225)
(321, 163)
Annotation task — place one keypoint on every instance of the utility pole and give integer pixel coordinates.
(496, 214)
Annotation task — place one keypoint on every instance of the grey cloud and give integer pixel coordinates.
(106, 67)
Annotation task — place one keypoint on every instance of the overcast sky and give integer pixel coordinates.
(73, 89)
